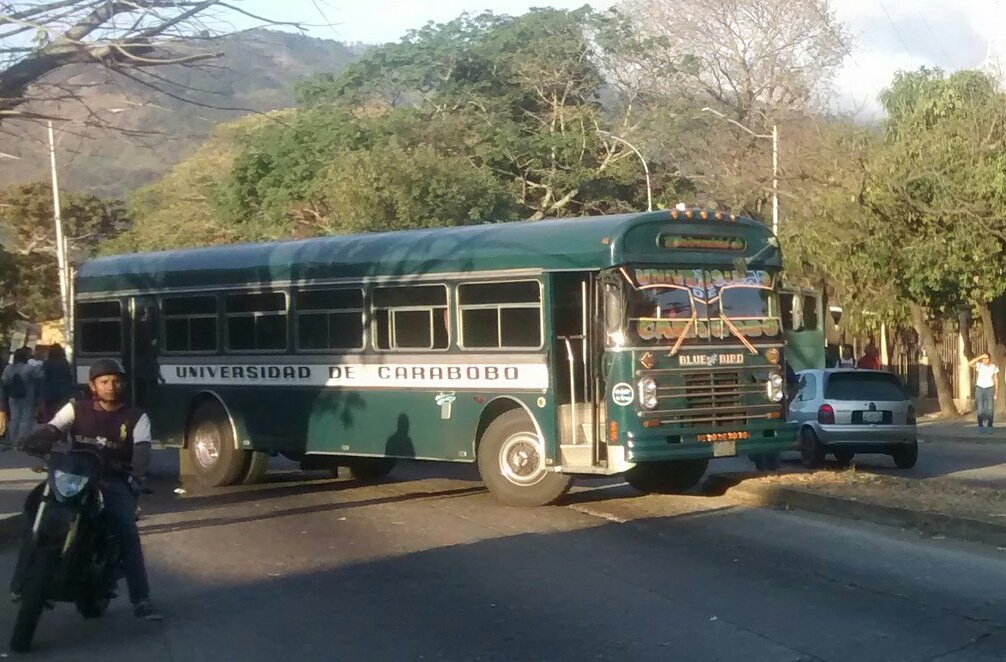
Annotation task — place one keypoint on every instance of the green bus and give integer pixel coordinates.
(643, 344)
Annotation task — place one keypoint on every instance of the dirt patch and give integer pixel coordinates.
(937, 495)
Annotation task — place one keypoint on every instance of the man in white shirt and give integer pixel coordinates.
(986, 390)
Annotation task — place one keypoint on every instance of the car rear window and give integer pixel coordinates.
(863, 386)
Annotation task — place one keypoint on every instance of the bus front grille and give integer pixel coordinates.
(713, 398)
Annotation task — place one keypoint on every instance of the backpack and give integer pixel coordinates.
(17, 389)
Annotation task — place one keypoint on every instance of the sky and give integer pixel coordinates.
(888, 34)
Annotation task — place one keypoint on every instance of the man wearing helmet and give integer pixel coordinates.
(121, 434)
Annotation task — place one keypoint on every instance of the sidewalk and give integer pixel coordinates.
(961, 428)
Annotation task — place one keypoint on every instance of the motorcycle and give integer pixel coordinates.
(69, 554)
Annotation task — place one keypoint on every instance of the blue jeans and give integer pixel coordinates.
(984, 403)
(120, 511)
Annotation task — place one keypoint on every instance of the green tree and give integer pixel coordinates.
(938, 196)
(511, 105)
(26, 224)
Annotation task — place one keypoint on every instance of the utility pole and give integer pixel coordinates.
(60, 241)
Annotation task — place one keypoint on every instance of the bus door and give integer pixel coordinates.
(803, 322)
(142, 352)
(576, 362)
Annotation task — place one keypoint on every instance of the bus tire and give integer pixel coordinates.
(258, 465)
(368, 469)
(666, 477)
(215, 460)
(511, 460)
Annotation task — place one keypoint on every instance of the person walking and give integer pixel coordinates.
(58, 383)
(20, 381)
(870, 359)
(986, 390)
(845, 357)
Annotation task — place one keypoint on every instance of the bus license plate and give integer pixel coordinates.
(724, 448)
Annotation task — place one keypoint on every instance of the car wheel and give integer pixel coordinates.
(844, 458)
(811, 451)
(905, 457)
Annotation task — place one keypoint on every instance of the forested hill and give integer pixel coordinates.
(257, 72)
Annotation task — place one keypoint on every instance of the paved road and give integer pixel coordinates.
(428, 567)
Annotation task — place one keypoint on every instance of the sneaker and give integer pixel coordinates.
(147, 611)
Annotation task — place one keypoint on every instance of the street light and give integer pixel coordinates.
(646, 168)
(774, 137)
(61, 247)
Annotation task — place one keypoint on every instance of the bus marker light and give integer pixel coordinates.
(704, 215)
(651, 424)
(613, 432)
(724, 436)
(646, 360)
(479, 399)
(540, 402)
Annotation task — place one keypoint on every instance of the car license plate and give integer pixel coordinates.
(724, 448)
(873, 416)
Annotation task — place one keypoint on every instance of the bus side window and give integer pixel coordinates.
(99, 327)
(256, 321)
(190, 324)
(411, 317)
(786, 311)
(810, 322)
(500, 315)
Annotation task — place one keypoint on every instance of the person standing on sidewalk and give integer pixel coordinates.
(986, 390)
(20, 381)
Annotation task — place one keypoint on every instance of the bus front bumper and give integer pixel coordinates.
(654, 448)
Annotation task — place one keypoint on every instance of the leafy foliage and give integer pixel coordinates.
(26, 224)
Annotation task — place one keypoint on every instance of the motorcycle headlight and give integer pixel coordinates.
(68, 485)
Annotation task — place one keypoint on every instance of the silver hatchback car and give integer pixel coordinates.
(844, 412)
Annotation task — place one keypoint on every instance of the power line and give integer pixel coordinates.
(936, 41)
(895, 28)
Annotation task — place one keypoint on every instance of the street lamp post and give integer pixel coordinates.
(62, 259)
(774, 137)
(60, 243)
(646, 168)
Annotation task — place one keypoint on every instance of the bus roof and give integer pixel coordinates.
(586, 243)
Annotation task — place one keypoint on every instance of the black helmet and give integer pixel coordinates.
(103, 367)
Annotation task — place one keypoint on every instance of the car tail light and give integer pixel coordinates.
(911, 414)
(826, 415)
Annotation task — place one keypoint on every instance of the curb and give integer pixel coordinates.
(929, 523)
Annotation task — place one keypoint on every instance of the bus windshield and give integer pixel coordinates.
(672, 306)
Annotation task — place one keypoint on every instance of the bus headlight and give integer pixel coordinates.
(774, 387)
(647, 393)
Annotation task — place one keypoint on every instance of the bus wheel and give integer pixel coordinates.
(369, 468)
(257, 467)
(215, 461)
(511, 460)
(667, 477)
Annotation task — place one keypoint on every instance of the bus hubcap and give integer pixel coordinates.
(521, 459)
(207, 448)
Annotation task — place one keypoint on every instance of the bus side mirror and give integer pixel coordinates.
(613, 305)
